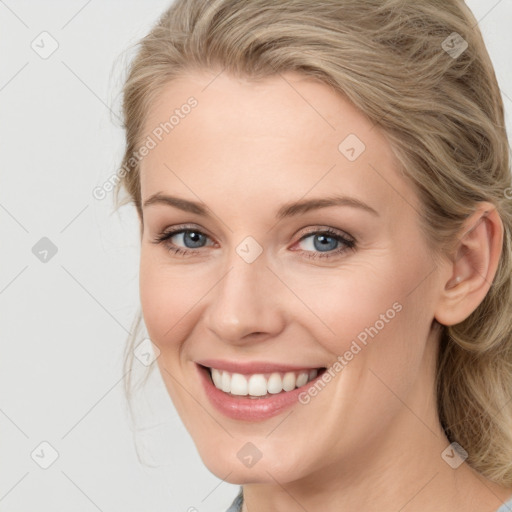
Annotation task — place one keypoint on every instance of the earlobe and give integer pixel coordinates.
(474, 266)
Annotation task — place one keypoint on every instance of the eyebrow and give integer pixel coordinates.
(305, 205)
(287, 210)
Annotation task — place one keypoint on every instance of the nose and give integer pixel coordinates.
(246, 303)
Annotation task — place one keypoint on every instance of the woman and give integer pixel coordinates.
(323, 191)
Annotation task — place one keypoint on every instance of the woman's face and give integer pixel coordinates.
(302, 251)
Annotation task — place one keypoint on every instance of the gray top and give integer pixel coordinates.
(506, 507)
(236, 506)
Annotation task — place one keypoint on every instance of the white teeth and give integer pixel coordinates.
(226, 382)
(302, 378)
(289, 381)
(259, 384)
(217, 378)
(275, 383)
(238, 384)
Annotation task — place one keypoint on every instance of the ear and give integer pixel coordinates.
(472, 270)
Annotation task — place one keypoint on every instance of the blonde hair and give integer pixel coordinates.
(443, 115)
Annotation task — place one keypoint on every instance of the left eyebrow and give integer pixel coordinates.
(303, 206)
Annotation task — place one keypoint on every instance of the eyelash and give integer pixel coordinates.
(348, 243)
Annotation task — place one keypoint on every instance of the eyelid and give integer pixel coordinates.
(347, 240)
(327, 229)
(171, 231)
(179, 228)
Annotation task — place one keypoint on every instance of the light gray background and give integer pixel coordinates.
(65, 321)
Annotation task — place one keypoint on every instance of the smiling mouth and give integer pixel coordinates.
(261, 385)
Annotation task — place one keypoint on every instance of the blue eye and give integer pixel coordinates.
(183, 241)
(323, 243)
(320, 242)
(190, 239)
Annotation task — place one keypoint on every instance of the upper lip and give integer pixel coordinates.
(252, 366)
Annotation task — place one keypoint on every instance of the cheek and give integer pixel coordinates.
(369, 311)
(344, 305)
(168, 299)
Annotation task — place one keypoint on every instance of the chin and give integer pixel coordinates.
(240, 462)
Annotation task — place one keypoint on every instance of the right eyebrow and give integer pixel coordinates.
(177, 202)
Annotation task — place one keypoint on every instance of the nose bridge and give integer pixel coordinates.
(245, 301)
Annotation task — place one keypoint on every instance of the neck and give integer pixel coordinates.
(401, 470)
(404, 473)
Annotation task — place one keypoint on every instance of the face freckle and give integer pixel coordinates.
(264, 270)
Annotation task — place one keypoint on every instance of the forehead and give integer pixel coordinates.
(285, 134)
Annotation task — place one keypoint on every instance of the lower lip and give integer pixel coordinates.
(249, 409)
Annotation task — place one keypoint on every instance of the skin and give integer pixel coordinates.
(371, 439)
